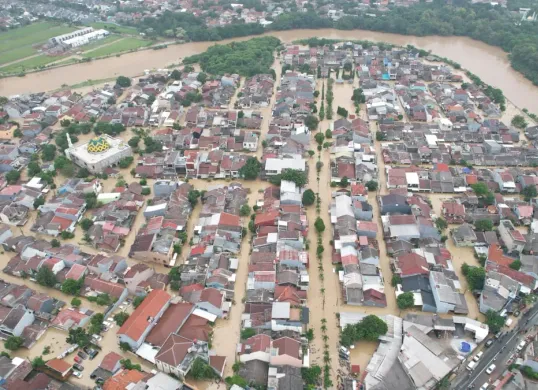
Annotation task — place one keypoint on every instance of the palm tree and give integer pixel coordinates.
(325, 337)
(323, 320)
(324, 328)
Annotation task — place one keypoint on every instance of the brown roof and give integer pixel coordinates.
(287, 346)
(211, 295)
(123, 378)
(137, 323)
(59, 365)
(174, 350)
(170, 322)
(110, 360)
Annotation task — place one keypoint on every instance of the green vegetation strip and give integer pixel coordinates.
(121, 46)
(29, 64)
(114, 28)
(31, 34)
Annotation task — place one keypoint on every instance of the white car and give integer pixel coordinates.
(78, 374)
(491, 369)
(478, 356)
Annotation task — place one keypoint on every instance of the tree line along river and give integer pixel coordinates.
(489, 63)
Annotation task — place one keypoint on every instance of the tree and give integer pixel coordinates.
(475, 276)
(251, 169)
(371, 327)
(342, 112)
(145, 191)
(245, 210)
(202, 77)
(76, 302)
(33, 168)
(344, 182)
(311, 153)
(201, 370)
(193, 196)
(125, 162)
(134, 141)
(236, 380)
(494, 320)
(86, 224)
(309, 197)
(120, 318)
(78, 336)
(311, 122)
(371, 185)
(441, 224)
(175, 75)
(519, 122)
(529, 192)
(396, 279)
(46, 277)
(55, 243)
(13, 343)
(13, 176)
(128, 365)
(48, 152)
(319, 137)
(328, 133)
(96, 322)
(38, 362)
(39, 202)
(379, 136)
(247, 333)
(405, 300)
(138, 300)
(125, 346)
(298, 177)
(516, 264)
(319, 225)
(311, 375)
(480, 189)
(483, 225)
(71, 286)
(123, 81)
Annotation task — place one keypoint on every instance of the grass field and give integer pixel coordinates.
(30, 64)
(30, 35)
(114, 28)
(117, 47)
(99, 43)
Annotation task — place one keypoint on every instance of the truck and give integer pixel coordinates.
(471, 366)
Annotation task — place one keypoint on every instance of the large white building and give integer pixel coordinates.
(79, 37)
(99, 153)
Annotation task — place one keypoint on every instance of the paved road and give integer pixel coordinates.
(498, 353)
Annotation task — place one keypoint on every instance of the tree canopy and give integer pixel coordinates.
(494, 320)
(251, 169)
(475, 276)
(368, 329)
(123, 81)
(405, 300)
(483, 225)
(46, 277)
(308, 197)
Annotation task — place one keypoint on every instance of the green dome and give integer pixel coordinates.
(98, 145)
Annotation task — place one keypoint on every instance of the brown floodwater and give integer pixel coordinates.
(489, 62)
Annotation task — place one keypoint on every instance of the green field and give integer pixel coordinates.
(31, 34)
(99, 43)
(117, 47)
(114, 28)
(30, 64)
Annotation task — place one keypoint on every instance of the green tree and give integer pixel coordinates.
(201, 370)
(342, 112)
(96, 322)
(46, 277)
(48, 152)
(245, 210)
(480, 189)
(309, 197)
(344, 182)
(78, 336)
(483, 225)
(71, 286)
(13, 176)
(146, 191)
(475, 276)
(441, 224)
(38, 362)
(371, 327)
(13, 343)
(125, 346)
(298, 177)
(319, 137)
(123, 81)
(236, 380)
(33, 168)
(516, 264)
(494, 320)
(247, 333)
(120, 318)
(529, 192)
(128, 365)
(371, 185)
(55, 243)
(38, 202)
(311, 122)
(134, 141)
(319, 225)
(125, 162)
(76, 302)
(405, 300)
(138, 300)
(311, 375)
(175, 75)
(251, 169)
(86, 224)
(193, 196)
(519, 122)
(396, 279)
(202, 77)
(328, 133)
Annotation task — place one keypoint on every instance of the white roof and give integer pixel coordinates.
(278, 164)
(156, 207)
(147, 352)
(204, 314)
(287, 186)
(280, 310)
(411, 178)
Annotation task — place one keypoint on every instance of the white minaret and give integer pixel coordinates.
(69, 140)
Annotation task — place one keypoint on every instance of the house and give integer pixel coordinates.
(17, 319)
(512, 238)
(394, 204)
(411, 264)
(212, 301)
(111, 362)
(257, 347)
(144, 318)
(71, 318)
(446, 294)
(58, 368)
(135, 275)
(286, 351)
(464, 235)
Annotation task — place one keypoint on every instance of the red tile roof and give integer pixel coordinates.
(412, 264)
(266, 218)
(211, 295)
(496, 255)
(137, 323)
(58, 365)
(229, 219)
(260, 342)
(110, 360)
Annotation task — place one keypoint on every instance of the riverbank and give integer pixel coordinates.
(489, 62)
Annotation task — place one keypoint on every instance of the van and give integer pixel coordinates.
(478, 356)
(491, 369)
(521, 346)
(471, 366)
(508, 322)
(484, 386)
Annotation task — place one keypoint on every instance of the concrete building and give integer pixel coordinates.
(99, 153)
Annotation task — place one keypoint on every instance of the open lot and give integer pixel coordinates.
(30, 63)
(120, 46)
(114, 28)
(18, 43)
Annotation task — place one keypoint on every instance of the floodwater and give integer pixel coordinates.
(489, 62)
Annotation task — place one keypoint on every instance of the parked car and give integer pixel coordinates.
(489, 342)
(478, 356)
(78, 367)
(82, 355)
(93, 354)
(78, 359)
(99, 381)
(78, 374)
(517, 313)
(490, 369)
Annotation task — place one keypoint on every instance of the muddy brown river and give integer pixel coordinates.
(489, 62)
